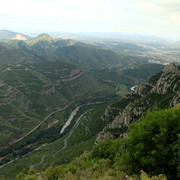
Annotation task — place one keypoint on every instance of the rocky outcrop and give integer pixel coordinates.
(175, 100)
(169, 80)
(75, 74)
(146, 96)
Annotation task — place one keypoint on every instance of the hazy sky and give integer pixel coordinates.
(156, 17)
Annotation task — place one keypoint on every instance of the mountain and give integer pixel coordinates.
(161, 90)
(45, 48)
(94, 58)
(150, 151)
(8, 35)
(100, 55)
(76, 52)
(58, 97)
(30, 92)
(41, 37)
(19, 52)
(31, 89)
(91, 124)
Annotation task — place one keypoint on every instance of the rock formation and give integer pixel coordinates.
(157, 91)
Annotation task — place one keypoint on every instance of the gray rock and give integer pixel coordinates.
(168, 81)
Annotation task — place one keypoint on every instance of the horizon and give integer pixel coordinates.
(103, 35)
(141, 17)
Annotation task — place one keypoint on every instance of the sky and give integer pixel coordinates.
(151, 17)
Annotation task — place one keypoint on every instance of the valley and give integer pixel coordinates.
(60, 97)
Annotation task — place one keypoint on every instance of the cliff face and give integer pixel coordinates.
(169, 80)
(161, 90)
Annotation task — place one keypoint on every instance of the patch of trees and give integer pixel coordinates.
(152, 145)
(30, 142)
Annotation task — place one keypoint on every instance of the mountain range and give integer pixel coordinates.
(110, 120)
(60, 97)
(45, 48)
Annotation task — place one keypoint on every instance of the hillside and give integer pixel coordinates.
(122, 79)
(76, 52)
(143, 71)
(19, 52)
(149, 152)
(34, 90)
(30, 92)
(161, 90)
(8, 35)
(103, 122)
(46, 48)
(41, 37)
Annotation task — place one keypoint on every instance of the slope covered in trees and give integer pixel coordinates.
(152, 146)
(93, 122)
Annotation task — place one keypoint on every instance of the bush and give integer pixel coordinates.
(153, 143)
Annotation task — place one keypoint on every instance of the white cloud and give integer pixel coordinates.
(86, 3)
(164, 13)
(158, 6)
(138, 16)
(63, 9)
(176, 20)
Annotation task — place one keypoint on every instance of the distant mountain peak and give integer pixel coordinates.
(44, 36)
(41, 37)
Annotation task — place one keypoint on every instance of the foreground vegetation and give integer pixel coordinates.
(152, 146)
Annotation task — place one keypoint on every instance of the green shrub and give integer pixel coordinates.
(153, 143)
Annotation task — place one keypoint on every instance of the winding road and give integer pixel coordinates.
(62, 130)
(65, 107)
(65, 140)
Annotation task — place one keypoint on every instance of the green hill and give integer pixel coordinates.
(45, 48)
(41, 37)
(93, 58)
(108, 121)
(30, 92)
(19, 52)
(45, 81)
(151, 146)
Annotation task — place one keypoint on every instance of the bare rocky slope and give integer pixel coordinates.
(161, 90)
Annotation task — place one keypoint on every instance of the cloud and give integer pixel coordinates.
(62, 9)
(163, 12)
(86, 3)
(158, 6)
(148, 16)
